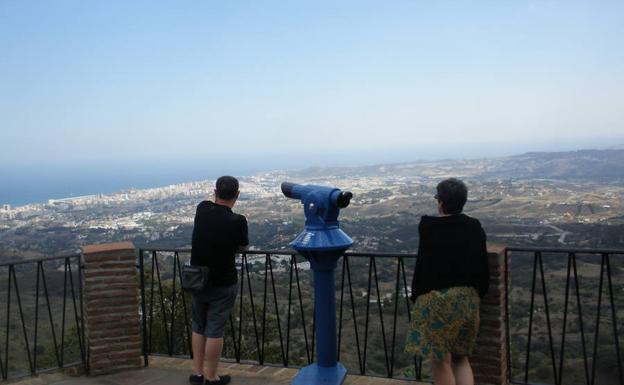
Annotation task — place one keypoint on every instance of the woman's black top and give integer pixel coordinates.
(451, 252)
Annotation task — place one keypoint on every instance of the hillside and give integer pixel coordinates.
(604, 166)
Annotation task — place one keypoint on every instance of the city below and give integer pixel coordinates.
(517, 206)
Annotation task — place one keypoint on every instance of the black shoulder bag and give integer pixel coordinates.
(194, 278)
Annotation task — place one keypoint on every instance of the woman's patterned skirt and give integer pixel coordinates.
(444, 321)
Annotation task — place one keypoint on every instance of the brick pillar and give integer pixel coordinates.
(111, 307)
(489, 360)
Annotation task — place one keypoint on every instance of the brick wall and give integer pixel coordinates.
(111, 307)
(489, 361)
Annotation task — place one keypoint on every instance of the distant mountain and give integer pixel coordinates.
(594, 165)
(583, 165)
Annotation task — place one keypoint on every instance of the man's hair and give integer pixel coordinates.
(453, 194)
(227, 187)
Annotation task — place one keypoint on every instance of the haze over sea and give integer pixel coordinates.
(36, 183)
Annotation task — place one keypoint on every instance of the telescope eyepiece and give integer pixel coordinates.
(344, 199)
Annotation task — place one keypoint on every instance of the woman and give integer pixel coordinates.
(450, 278)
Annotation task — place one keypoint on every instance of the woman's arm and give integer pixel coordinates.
(483, 264)
(419, 259)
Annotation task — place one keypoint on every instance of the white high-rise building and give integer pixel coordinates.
(6, 207)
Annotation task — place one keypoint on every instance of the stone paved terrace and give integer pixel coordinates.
(175, 371)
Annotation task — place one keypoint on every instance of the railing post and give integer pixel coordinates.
(111, 307)
(143, 308)
(489, 360)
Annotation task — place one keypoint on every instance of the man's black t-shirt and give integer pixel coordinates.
(217, 234)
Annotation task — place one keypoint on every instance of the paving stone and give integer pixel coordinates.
(174, 371)
(254, 368)
(41, 379)
(269, 370)
(358, 380)
(31, 381)
(135, 377)
(227, 365)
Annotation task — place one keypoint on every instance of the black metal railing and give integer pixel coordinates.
(534, 352)
(563, 318)
(374, 313)
(30, 287)
(273, 318)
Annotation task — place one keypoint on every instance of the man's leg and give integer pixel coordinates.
(442, 371)
(199, 343)
(214, 346)
(462, 370)
(221, 307)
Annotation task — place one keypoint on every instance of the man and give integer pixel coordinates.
(218, 234)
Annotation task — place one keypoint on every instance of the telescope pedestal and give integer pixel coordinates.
(318, 375)
(322, 243)
(327, 370)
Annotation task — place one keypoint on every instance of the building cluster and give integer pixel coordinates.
(162, 213)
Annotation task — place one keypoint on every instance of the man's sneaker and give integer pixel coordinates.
(196, 379)
(222, 381)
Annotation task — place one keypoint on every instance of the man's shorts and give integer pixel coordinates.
(211, 310)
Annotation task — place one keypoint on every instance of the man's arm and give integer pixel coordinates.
(243, 241)
(198, 230)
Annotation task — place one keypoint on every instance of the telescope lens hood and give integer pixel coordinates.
(344, 199)
(287, 188)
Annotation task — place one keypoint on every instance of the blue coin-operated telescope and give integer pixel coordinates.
(322, 242)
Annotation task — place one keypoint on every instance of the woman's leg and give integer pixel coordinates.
(443, 372)
(462, 370)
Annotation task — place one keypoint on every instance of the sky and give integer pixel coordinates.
(84, 81)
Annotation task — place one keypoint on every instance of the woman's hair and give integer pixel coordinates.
(453, 194)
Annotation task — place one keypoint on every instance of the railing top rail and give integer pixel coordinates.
(165, 249)
(566, 250)
(286, 252)
(272, 252)
(348, 253)
(37, 260)
(402, 254)
(188, 250)
(382, 255)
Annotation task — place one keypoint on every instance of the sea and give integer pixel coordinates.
(37, 182)
(28, 184)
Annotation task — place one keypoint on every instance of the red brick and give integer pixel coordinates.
(109, 272)
(110, 302)
(111, 297)
(95, 311)
(489, 359)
